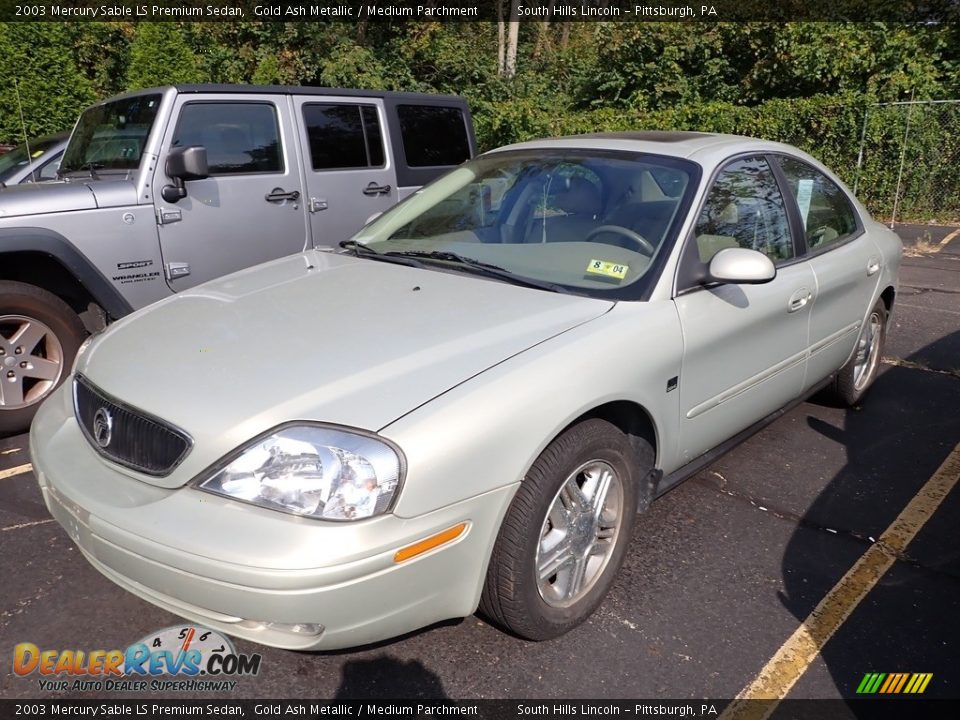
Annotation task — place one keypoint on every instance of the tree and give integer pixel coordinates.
(35, 59)
(160, 55)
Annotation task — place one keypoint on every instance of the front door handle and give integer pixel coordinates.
(873, 264)
(800, 298)
(279, 195)
(374, 189)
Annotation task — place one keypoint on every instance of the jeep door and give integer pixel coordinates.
(349, 167)
(250, 209)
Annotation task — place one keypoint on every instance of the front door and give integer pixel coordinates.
(251, 208)
(350, 172)
(745, 346)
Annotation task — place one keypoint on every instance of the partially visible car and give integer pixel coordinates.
(165, 188)
(470, 403)
(34, 161)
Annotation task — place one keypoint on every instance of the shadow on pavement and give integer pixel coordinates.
(907, 426)
(385, 678)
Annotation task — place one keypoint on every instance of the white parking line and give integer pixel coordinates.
(26, 525)
(10, 451)
(18, 470)
(943, 243)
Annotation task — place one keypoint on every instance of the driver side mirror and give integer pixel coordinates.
(741, 266)
(184, 163)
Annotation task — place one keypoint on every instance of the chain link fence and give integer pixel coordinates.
(908, 164)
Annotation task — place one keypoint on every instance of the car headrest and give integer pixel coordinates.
(577, 196)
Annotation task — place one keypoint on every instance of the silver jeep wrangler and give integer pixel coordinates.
(165, 188)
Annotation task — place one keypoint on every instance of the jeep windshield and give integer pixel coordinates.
(587, 222)
(111, 136)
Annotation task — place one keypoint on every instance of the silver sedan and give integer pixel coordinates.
(469, 403)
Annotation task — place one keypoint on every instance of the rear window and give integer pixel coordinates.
(433, 135)
(343, 136)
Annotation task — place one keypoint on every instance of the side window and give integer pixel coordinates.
(825, 210)
(49, 171)
(342, 136)
(432, 135)
(744, 208)
(240, 138)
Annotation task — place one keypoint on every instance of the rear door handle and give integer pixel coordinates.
(800, 298)
(374, 189)
(873, 264)
(279, 195)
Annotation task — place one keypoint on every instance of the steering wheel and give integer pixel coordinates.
(643, 245)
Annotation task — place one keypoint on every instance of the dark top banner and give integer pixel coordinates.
(353, 11)
(875, 709)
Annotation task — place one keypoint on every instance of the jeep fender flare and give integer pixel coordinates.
(48, 242)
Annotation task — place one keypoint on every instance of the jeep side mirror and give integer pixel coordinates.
(741, 266)
(184, 163)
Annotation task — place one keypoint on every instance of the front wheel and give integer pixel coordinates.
(39, 338)
(858, 374)
(566, 532)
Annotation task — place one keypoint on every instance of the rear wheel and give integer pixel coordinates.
(858, 374)
(566, 532)
(39, 338)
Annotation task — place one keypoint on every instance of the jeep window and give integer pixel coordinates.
(343, 136)
(240, 138)
(111, 136)
(433, 135)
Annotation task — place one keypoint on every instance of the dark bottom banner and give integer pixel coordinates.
(488, 709)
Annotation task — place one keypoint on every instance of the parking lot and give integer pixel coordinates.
(721, 573)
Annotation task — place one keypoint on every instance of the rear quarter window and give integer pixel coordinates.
(433, 135)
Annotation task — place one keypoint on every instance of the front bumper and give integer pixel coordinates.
(235, 568)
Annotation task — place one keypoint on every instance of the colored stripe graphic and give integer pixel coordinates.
(894, 683)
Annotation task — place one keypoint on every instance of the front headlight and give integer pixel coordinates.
(312, 470)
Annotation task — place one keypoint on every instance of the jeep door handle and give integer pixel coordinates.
(873, 264)
(374, 189)
(279, 195)
(800, 298)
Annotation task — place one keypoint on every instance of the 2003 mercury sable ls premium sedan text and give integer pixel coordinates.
(469, 404)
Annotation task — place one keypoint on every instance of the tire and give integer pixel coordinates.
(544, 518)
(39, 339)
(854, 378)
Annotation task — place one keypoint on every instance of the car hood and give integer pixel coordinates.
(57, 197)
(316, 336)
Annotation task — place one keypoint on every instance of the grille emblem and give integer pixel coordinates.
(103, 427)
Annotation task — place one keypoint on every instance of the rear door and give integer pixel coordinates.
(349, 168)
(251, 208)
(745, 346)
(845, 261)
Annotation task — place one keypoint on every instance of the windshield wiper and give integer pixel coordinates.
(479, 267)
(90, 167)
(361, 250)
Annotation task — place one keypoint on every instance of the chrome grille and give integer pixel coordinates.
(125, 435)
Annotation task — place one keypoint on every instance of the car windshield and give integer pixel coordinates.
(590, 222)
(18, 158)
(111, 136)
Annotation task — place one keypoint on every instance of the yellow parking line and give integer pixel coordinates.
(793, 658)
(943, 243)
(26, 525)
(18, 470)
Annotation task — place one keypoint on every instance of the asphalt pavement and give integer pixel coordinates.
(721, 571)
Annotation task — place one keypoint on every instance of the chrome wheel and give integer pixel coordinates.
(868, 351)
(579, 533)
(31, 361)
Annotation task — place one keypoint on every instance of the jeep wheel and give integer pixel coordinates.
(39, 338)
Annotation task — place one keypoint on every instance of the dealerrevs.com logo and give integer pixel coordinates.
(184, 658)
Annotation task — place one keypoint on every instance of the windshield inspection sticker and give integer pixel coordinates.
(607, 268)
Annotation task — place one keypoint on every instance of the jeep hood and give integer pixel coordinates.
(316, 336)
(57, 197)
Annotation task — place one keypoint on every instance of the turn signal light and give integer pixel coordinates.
(418, 548)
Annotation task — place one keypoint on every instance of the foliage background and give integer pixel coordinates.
(804, 83)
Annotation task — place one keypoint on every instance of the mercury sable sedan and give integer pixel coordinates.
(468, 404)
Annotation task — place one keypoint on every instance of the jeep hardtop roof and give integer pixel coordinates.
(298, 90)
